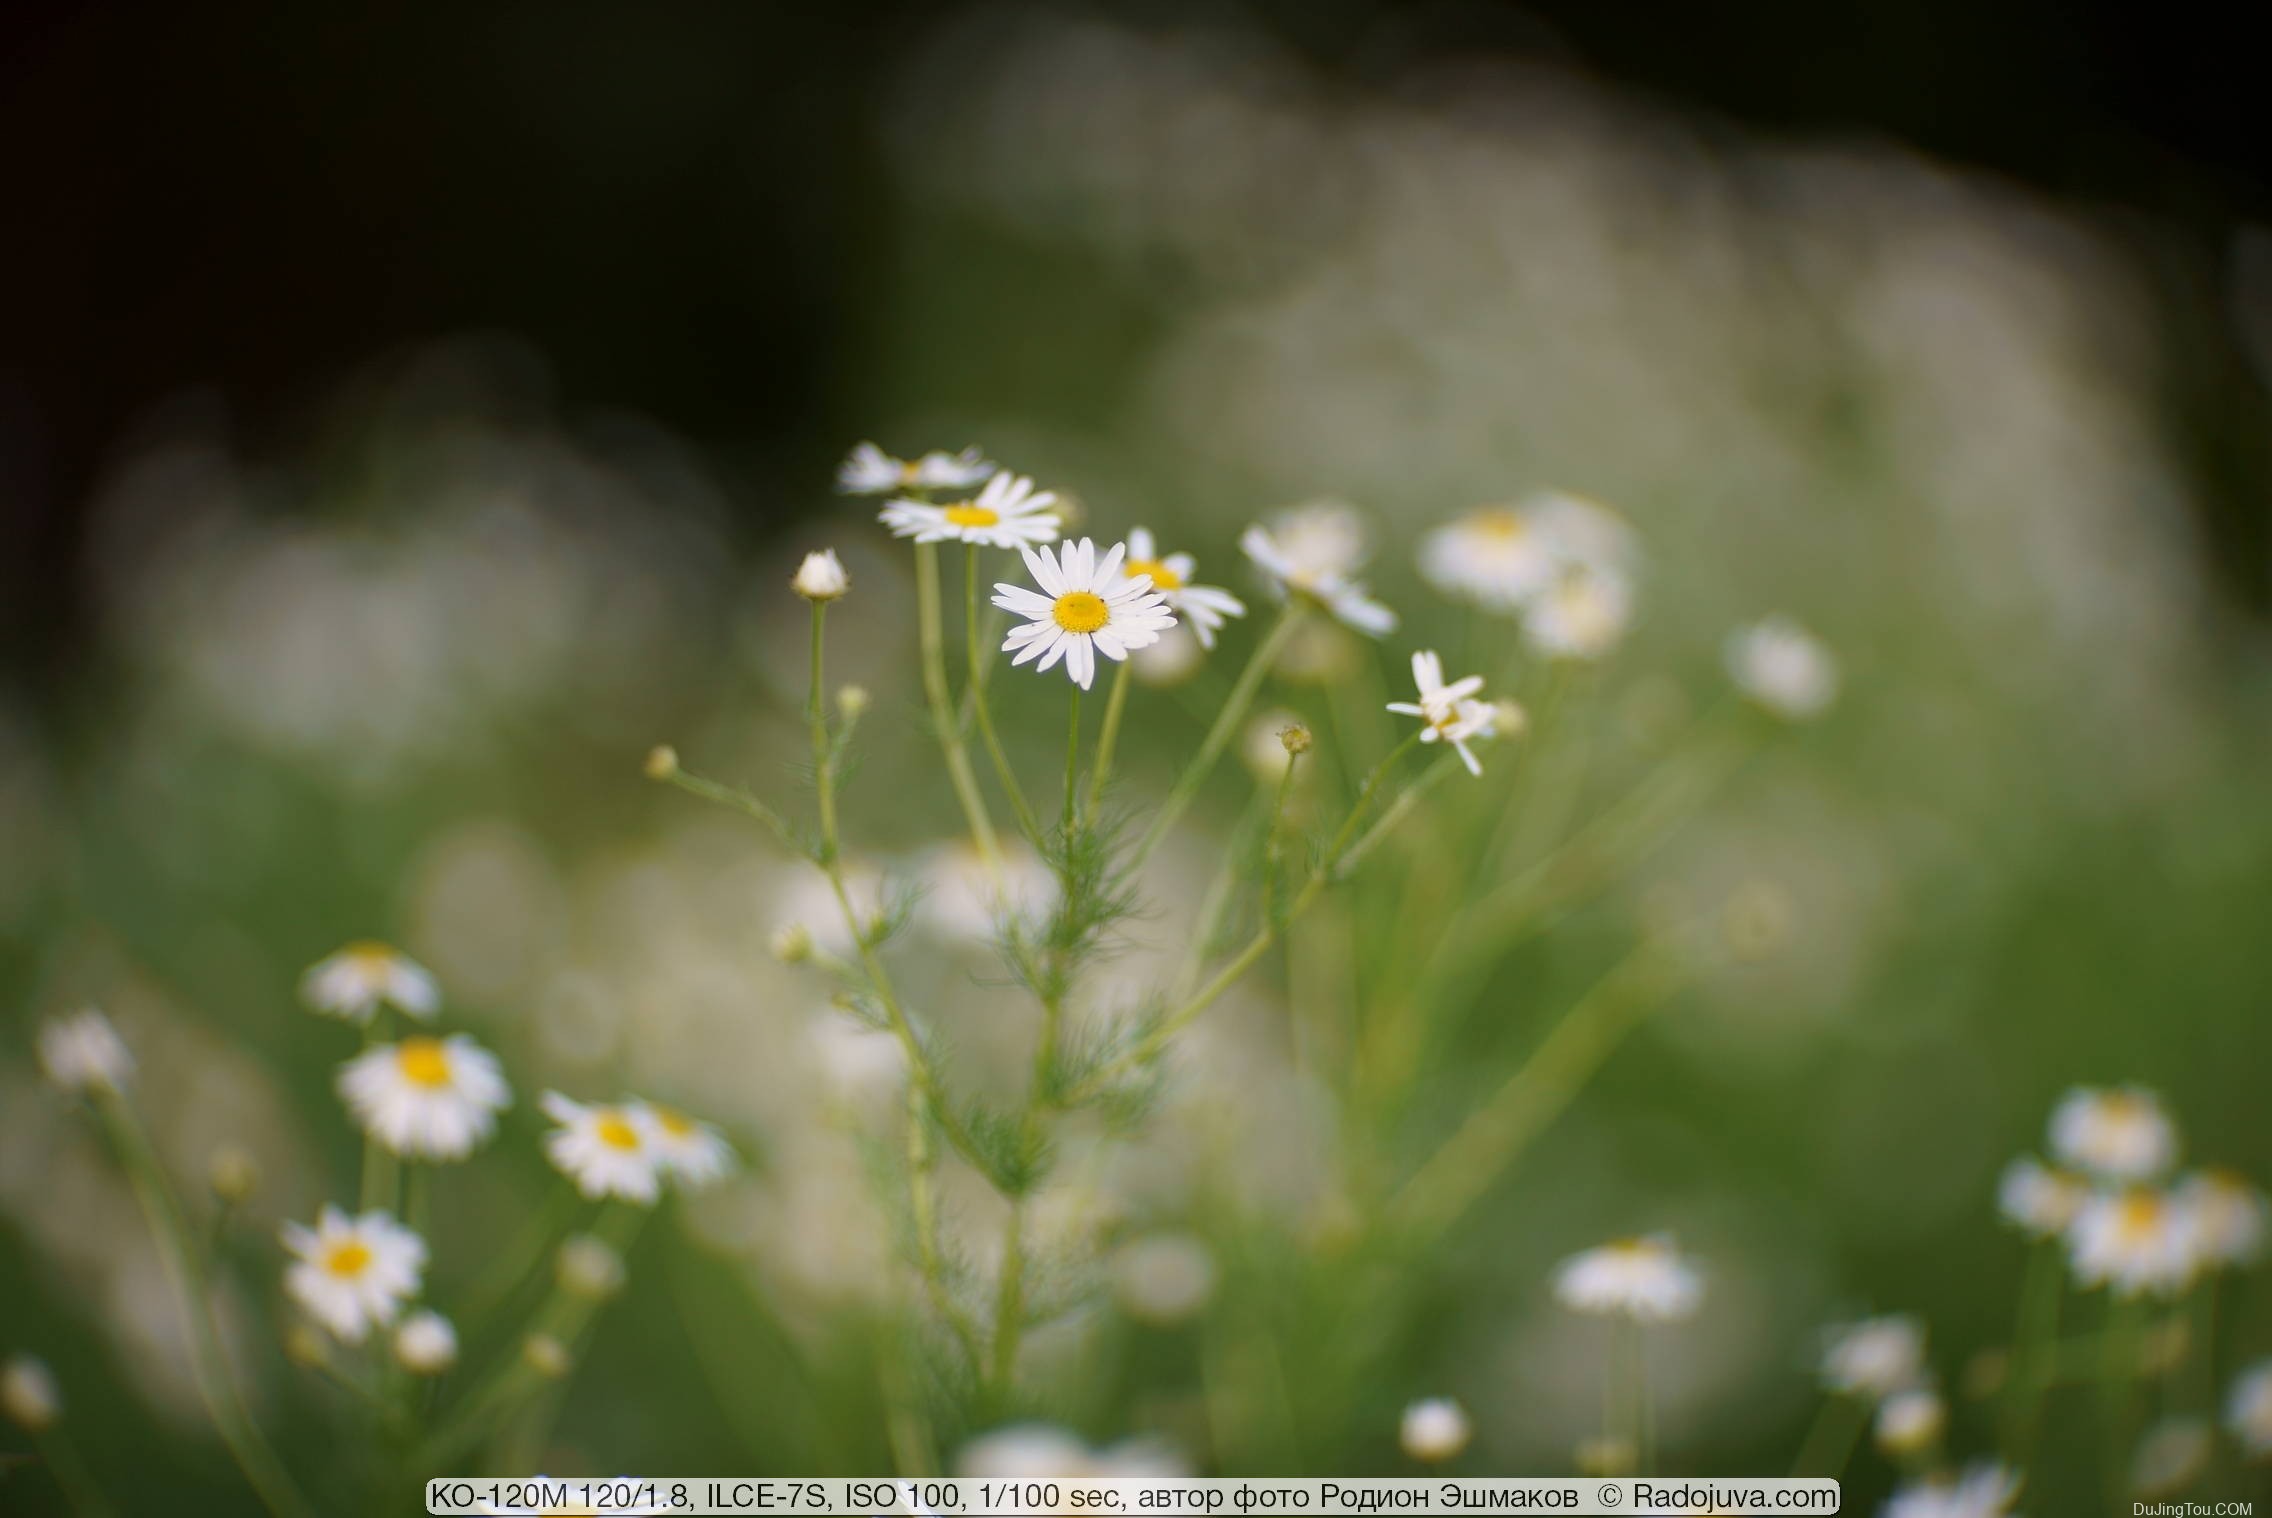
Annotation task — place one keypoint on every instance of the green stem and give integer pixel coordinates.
(965, 783)
(1009, 1302)
(2118, 1369)
(1545, 1084)
(1829, 1444)
(1109, 736)
(71, 1473)
(924, 1209)
(739, 800)
(1218, 736)
(2035, 1352)
(975, 689)
(216, 1383)
(1324, 873)
(1072, 765)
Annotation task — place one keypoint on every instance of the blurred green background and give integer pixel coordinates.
(363, 540)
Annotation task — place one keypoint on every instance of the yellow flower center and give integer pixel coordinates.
(369, 955)
(616, 1132)
(347, 1260)
(423, 1062)
(676, 1124)
(2141, 1215)
(1163, 578)
(968, 515)
(1499, 523)
(1081, 611)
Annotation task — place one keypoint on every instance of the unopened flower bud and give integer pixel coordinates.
(590, 1267)
(303, 1346)
(1508, 718)
(1911, 1422)
(547, 1356)
(852, 700)
(233, 1175)
(426, 1344)
(29, 1395)
(792, 943)
(821, 577)
(1434, 1430)
(662, 762)
(1297, 739)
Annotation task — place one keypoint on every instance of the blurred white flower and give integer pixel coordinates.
(961, 902)
(1175, 658)
(1985, 1490)
(81, 1052)
(1203, 607)
(605, 1150)
(2134, 1240)
(1874, 1358)
(1450, 712)
(1088, 608)
(871, 471)
(1434, 1429)
(589, 1267)
(2038, 1199)
(1311, 554)
(862, 1064)
(1163, 1278)
(427, 1098)
(354, 1273)
(821, 577)
(426, 1344)
(1008, 513)
(1911, 1422)
(1582, 615)
(1025, 1451)
(692, 1152)
(2248, 1410)
(354, 982)
(1494, 555)
(1782, 667)
(2171, 1456)
(1644, 1279)
(2116, 1135)
(28, 1393)
(2228, 1216)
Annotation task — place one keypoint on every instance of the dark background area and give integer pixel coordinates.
(680, 206)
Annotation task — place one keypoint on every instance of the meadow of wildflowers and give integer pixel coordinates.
(1073, 1226)
(1555, 798)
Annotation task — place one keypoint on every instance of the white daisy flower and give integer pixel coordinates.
(2248, 1410)
(2118, 1135)
(2039, 1200)
(357, 980)
(961, 902)
(29, 1395)
(1090, 607)
(1309, 555)
(871, 471)
(427, 1098)
(1496, 556)
(81, 1053)
(1202, 607)
(1782, 667)
(426, 1344)
(605, 1150)
(1582, 615)
(1987, 1489)
(821, 577)
(1163, 1278)
(687, 1149)
(1434, 1429)
(2228, 1216)
(1643, 1279)
(1008, 513)
(2171, 1457)
(1874, 1358)
(1582, 531)
(2135, 1240)
(1911, 1422)
(1450, 712)
(354, 1273)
